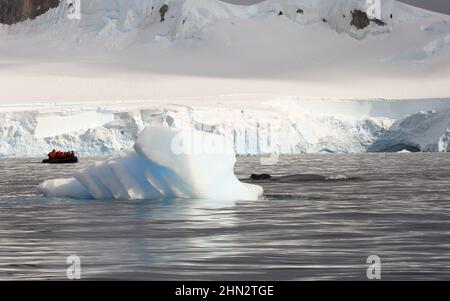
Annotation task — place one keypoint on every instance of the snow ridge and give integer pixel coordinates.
(185, 19)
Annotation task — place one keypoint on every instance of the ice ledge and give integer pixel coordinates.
(284, 126)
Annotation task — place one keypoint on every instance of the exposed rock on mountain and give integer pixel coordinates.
(361, 20)
(14, 11)
(162, 11)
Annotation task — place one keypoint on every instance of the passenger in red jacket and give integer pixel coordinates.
(52, 155)
(59, 155)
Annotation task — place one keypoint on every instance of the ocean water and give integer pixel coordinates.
(395, 206)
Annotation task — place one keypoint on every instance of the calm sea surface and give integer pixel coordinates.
(395, 206)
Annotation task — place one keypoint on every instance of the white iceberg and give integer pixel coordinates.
(165, 163)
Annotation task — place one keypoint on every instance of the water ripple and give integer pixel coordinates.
(395, 206)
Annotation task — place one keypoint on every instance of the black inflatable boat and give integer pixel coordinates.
(61, 161)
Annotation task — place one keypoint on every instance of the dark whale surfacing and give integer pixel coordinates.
(295, 178)
(260, 177)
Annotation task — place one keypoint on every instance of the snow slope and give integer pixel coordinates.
(186, 19)
(120, 50)
(278, 126)
(198, 165)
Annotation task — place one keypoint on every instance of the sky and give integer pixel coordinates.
(442, 6)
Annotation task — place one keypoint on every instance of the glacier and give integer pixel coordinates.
(424, 131)
(288, 125)
(165, 163)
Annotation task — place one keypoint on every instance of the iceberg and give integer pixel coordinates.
(64, 188)
(165, 163)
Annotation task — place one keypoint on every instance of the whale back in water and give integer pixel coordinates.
(260, 177)
(300, 178)
(294, 178)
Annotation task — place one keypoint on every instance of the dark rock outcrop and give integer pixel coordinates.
(163, 11)
(360, 20)
(378, 22)
(15, 11)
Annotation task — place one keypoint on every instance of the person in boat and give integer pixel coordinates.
(52, 154)
(59, 155)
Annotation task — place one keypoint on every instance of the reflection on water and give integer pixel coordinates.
(395, 206)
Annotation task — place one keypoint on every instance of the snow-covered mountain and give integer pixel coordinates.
(150, 49)
(185, 19)
(123, 23)
(90, 74)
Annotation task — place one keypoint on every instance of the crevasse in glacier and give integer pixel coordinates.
(166, 163)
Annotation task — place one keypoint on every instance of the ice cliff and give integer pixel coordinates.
(423, 131)
(286, 126)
